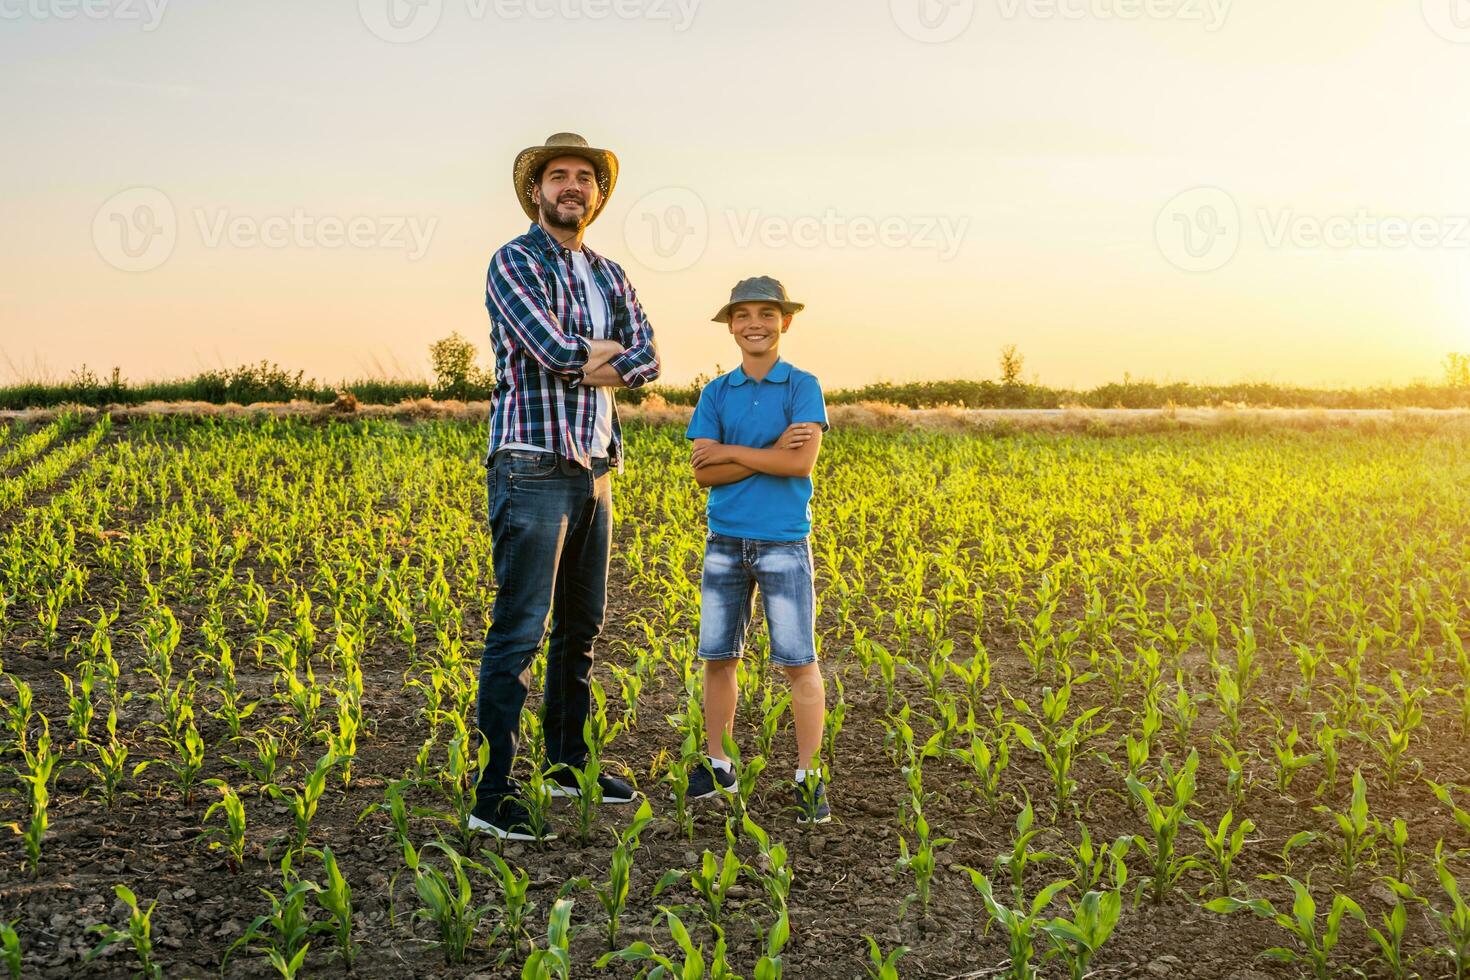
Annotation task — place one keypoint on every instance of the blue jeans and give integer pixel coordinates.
(551, 535)
(733, 569)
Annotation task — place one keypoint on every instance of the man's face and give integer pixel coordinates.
(757, 327)
(568, 193)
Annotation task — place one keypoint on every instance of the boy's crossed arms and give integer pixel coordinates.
(794, 454)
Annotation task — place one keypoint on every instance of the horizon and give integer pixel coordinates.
(1205, 191)
(482, 361)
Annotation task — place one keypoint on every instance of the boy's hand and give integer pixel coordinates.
(796, 435)
(711, 454)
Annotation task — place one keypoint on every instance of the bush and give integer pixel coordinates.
(455, 373)
(1457, 370)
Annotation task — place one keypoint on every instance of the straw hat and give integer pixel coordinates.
(530, 161)
(761, 289)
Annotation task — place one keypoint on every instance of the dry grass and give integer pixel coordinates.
(873, 415)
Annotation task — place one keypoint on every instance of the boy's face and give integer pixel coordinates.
(757, 327)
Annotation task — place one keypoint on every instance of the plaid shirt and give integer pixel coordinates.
(540, 325)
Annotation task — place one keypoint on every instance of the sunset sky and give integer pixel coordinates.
(1179, 189)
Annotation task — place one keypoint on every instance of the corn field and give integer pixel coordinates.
(1169, 704)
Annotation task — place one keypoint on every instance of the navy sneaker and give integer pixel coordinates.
(614, 790)
(811, 802)
(504, 817)
(707, 780)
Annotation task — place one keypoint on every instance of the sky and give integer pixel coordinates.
(1207, 190)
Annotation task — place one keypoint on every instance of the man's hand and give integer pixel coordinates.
(598, 371)
(600, 352)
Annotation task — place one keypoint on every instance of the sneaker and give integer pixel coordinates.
(811, 804)
(707, 780)
(563, 783)
(504, 817)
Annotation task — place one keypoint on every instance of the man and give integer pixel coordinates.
(567, 329)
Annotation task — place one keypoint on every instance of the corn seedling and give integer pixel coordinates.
(1326, 739)
(283, 934)
(832, 727)
(773, 865)
(712, 881)
(534, 791)
(881, 966)
(1021, 855)
(1165, 822)
(1058, 744)
(746, 775)
(614, 894)
(1453, 917)
(232, 834)
(1095, 866)
(1288, 761)
(554, 961)
(921, 862)
(1222, 847)
(302, 803)
(19, 712)
(515, 890)
(987, 764)
(446, 900)
(41, 765)
(1390, 942)
(10, 951)
(690, 725)
(1357, 830)
(1299, 839)
(1398, 843)
(456, 780)
(138, 935)
(188, 761)
(1023, 924)
(269, 746)
(110, 769)
(1076, 940)
(1312, 948)
(692, 965)
(233, 710)
(1445, 796)
(589, 790)
(335, 899)
(80, 709)
(772, 710)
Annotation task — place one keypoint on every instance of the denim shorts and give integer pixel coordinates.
(733, 569)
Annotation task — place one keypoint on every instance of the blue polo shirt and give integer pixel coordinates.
(739, 411)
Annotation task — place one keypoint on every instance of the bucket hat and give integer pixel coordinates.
(760, 289)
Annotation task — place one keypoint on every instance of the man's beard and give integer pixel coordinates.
(551, 217)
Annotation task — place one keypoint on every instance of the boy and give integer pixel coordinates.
(756, 435)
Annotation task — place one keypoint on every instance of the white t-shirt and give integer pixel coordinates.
(601, 327)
